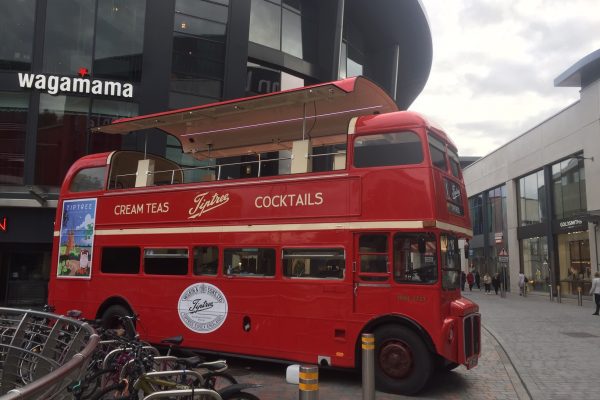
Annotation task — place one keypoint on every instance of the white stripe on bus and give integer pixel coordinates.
(278, 228)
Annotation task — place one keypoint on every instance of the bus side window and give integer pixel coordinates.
(120, 260)
(437, 151)
(415, 258)
(387, 149)
(166, 261)
(206, 260)
(249, 262)
(88, 180)
(314, 263)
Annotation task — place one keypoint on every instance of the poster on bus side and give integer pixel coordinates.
(76, 240)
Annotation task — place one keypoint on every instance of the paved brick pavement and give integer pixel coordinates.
(554, 347)
(493, 378)
(531, 349)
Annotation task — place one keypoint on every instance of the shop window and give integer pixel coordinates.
(265, 24)
(166, 261)
(13, 119)
(16, 30)
(119, 39)
(252, 262)
(206, 260)
(88, 179)
(476, 208)
(568, 184)
(61, 137)
(534, 253)
(314, 263)
(532, 199)
(120, 260)
(199, 8)
(198, 61)
(288, 25)
(415, 258)
(103, 113)
(399, 148)
(68, 40)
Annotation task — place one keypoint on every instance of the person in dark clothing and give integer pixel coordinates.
(478, 280)
(496, 282)
(463, 280)
(470, 280)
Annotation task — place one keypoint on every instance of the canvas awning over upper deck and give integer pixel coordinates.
(268, 122)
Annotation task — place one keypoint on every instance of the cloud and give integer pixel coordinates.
(88, 220)
(494, 65)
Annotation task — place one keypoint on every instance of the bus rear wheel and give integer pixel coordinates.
(112, 319)
(403, 364)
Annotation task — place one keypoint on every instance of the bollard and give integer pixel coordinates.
(579, 296)
(368, 366)
(525, 289)
(502, 290)
(551, 294)
(558, 296)
(308, 382)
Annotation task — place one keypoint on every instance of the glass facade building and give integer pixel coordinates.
(67, 66)
(554, 246)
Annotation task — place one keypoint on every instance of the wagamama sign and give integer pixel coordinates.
(54, 84)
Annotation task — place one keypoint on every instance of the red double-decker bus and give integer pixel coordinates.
(310, 216)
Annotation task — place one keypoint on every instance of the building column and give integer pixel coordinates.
(552, 253)
(512, 241)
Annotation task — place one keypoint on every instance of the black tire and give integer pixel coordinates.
(403, 364)
(110, 392)
(241, 396)
(115, 318)
(218, 380)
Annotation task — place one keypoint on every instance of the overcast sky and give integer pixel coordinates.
(494, 64)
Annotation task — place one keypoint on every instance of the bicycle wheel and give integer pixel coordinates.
(112, 392)
(218, 380)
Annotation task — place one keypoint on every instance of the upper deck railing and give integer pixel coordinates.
(215, 172)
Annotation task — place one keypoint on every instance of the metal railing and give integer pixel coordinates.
(41, 353)
(174, 175)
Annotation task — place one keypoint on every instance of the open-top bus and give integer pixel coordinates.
(340, 215)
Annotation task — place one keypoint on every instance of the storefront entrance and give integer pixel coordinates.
(24, 273)
(574, 262)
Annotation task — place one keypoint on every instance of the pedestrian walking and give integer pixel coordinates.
(477, 279)
(487, 282)
(470, 281)
(595, 289)
(496, 282)
(463, 280)
(521, 283)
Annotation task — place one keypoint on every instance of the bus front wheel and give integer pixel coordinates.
(403, 364)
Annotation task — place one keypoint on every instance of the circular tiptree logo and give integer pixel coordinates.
(202, 307)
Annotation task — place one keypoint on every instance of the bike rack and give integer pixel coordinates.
(41, 353)
(184, 393)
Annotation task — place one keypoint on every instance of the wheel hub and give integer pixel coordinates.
(396, 359)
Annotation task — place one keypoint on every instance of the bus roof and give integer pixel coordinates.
(267, 122)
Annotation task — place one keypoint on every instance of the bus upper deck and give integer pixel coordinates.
(326, 134)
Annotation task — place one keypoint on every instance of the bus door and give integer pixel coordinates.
(372, 275)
